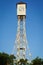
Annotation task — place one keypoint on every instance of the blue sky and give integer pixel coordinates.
(34, 26)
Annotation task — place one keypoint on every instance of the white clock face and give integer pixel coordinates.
(21, 9)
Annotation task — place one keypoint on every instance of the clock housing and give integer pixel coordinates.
(21, 9)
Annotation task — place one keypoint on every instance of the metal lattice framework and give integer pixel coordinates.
(21, 38)
(21, 44)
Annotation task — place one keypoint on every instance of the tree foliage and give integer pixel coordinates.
(37, 61)
(6, 59)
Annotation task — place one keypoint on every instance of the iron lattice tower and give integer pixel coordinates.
(21, 40)
(21, 31)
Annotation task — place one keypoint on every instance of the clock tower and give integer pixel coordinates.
(21, 40)
(21, 10)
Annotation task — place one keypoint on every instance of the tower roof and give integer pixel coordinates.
(21, 2)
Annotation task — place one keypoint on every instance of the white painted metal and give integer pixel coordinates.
(21, 44)
(21, 9)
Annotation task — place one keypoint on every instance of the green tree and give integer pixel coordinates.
(37, 61)
(12, 57)
(4, 58)
(41, 61)
(22, 62)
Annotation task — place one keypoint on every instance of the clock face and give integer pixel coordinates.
(21, 9)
